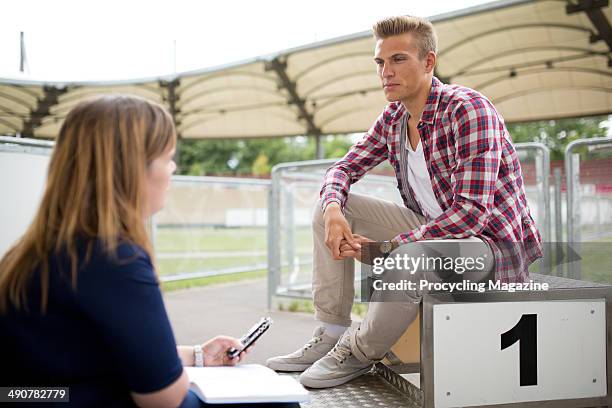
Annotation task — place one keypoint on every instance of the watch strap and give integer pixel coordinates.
(198, 356)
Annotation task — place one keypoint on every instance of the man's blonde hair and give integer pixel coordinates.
(421, 29)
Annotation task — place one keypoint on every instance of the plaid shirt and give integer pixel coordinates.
(474, 169)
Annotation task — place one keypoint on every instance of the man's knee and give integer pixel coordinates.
(447, 260)
(317, 214)
(354, 202)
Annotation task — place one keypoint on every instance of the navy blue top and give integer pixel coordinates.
(109, 337)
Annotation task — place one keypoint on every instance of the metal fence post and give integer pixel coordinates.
(274, 219)
(572, 172)
(152, 229)
(542, 164)
(572, 175)
(542, 161)
(270, 237)
(287, 203)
(558, 222)
(273, 234)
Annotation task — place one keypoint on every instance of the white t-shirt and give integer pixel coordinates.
(418, 178)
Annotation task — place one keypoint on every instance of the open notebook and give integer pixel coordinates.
(244, 383)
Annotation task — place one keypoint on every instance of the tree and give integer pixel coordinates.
(251, 156)
(261, 166)
(557, 134)
(258, 156)
(202, 157)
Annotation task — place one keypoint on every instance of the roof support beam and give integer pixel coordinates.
(592, 8)
(171, 97)
(280, 68)
(43, 109)
(319, 149)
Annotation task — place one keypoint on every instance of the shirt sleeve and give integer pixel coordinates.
(366, 154)
(123, 299)
(478, 141)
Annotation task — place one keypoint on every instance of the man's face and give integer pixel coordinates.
(399, 67)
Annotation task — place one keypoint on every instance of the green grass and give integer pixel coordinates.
(221, 239)
(174, 266)
(209, 239)
(595, 261)
(212, 280)
(596, 265)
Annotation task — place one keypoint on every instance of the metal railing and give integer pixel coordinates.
(287, 180)
(573, 197)
(281, 213)
(542, 197)
(542, 162)
(274, 219)
(25, 145)
(211, 226)
(276, 215)
(212, 189)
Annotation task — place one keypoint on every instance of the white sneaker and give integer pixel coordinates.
(337, 367)
(299, 360)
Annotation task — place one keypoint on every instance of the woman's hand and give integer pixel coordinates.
(215, 351)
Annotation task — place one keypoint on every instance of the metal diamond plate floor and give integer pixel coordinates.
(375, 389)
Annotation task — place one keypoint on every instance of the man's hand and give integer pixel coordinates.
(215, 351)
(337, 229)
(347, 250)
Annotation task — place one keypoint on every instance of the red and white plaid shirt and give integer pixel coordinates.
(474, 169)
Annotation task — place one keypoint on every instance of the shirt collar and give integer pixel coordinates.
(429, 111)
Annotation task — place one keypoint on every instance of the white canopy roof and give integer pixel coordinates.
(533, 59)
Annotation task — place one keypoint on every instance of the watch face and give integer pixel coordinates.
(386, 247)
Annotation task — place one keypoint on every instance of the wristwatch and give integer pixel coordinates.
(373, 250)
(386, 247)
(199, 356)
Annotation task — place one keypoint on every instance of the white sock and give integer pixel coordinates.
(334, 330)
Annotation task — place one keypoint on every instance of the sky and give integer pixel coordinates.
(114, 40)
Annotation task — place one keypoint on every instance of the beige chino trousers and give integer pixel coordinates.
(333, 280)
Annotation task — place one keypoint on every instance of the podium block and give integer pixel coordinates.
(529, 349)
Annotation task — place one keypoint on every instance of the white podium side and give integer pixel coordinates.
(530, 349)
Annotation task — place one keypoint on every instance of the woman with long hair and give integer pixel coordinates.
(80, 304)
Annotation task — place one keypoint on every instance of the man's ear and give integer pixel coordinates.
(430, 61)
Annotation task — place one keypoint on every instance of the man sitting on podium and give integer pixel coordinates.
(460, 180)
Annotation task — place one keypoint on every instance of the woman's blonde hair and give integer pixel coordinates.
(94, 189)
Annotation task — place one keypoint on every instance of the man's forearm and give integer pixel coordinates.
(335, 188)
(460, 220)
(331, 206)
